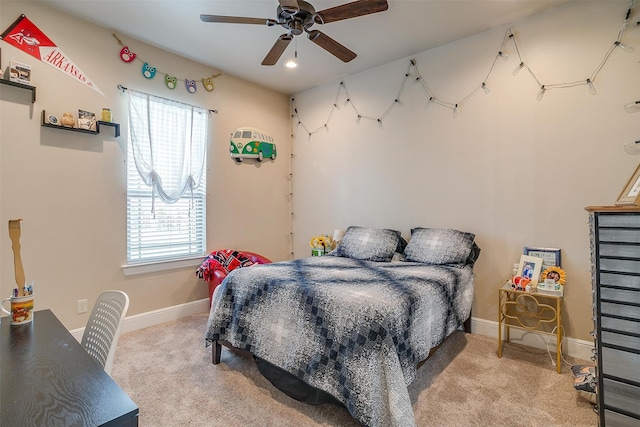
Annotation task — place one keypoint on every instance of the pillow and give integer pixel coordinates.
(368, 244)
(585, 381)
(473, 255)
(439, 246)
(401, 244)
(226, 260)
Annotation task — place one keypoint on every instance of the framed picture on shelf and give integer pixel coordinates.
(86, 120)
(530, 267)
(550, 256)
(20, 73)
(631, 192)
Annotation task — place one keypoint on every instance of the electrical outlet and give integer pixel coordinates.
(82, 306)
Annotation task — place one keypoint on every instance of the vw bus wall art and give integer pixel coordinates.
(251, 143)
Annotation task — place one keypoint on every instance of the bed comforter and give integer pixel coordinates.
(355, 329)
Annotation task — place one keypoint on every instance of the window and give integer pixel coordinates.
(166, 180)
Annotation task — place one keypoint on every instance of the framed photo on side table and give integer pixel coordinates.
(631, 193)
(530, 267)
(550, 256)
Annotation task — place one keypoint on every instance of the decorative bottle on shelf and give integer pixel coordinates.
(68, 120)
(106, 115)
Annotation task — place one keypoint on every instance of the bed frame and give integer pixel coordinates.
(216, 346)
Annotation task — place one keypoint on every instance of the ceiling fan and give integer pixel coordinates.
(298, 16)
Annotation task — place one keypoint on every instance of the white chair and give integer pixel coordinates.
(101, 334)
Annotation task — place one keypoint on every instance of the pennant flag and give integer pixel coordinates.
(24, 35)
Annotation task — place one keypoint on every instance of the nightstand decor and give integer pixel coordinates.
(338, 234)
(321, 245)
(550, 256)
(556, 274)
(530, 268)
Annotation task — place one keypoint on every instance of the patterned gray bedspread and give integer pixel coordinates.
(355, 329)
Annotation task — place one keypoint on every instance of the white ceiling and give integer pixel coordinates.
(405, 29)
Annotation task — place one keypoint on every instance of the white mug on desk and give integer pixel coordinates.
(21, 309)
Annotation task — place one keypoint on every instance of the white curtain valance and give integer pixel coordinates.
(169, 141)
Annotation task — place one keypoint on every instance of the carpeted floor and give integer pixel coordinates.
(167, 371)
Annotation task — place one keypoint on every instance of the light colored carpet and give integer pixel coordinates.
(167, 371)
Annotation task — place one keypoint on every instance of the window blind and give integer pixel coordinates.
(166, 180)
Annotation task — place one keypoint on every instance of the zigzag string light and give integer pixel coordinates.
(343, 87)
(391, 105)
(483, 86)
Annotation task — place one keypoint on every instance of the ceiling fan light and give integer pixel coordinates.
(297, 17)
(293, 62)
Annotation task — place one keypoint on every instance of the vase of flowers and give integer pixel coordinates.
(320, 245)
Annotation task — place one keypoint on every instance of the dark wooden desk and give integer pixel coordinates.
(48, 379)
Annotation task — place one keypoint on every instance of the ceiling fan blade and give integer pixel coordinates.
(331, 46)
(277, 50)
(289, 6)
(351, 10)
(236, 20)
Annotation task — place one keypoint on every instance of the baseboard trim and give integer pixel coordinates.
(156, 317)
(570, 346)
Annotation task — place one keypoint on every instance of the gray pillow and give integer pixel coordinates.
(473, 255)
(368, 244)
(439, 246)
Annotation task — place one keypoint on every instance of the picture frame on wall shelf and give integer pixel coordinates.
(20, 73)
(530, 267)
(630, 194)
(86, 120)
(550, 256)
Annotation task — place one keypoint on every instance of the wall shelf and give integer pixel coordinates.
(22, 86)
(115, 126)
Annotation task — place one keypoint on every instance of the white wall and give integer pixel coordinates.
(515, 171)
(70, 188)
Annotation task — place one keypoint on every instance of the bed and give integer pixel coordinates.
(354, 324)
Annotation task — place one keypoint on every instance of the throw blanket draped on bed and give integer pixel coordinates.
(355, 329)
